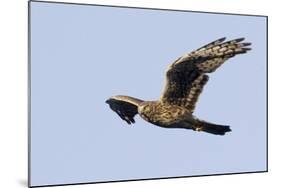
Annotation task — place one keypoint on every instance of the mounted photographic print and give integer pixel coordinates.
(125, 93)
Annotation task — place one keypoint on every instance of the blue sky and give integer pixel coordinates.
(82, 55)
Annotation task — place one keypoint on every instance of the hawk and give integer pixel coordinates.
(185, 79)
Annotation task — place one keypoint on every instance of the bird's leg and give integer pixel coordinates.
(199, 129)
(196, 124)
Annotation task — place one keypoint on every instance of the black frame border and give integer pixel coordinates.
(132, 7)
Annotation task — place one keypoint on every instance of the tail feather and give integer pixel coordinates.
(214, 128)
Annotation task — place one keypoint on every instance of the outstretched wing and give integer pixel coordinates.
(186, 77)
(126, 107)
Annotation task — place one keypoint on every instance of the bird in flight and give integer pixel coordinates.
(185, 79)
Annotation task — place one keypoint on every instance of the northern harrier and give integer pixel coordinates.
(185, 79)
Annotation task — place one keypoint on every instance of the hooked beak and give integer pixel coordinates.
(108, 101)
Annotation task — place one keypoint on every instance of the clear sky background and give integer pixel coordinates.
(82, 55)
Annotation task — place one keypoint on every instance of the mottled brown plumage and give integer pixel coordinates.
(185, 79)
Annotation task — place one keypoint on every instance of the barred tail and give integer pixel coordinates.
(214, 128)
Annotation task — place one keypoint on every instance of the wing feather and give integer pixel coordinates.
(195, 91)
(186, 77)
(126, 107)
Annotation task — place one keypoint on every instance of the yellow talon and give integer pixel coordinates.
(198, 129)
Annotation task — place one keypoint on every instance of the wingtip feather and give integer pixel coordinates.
(222, 39)
(239, 39)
